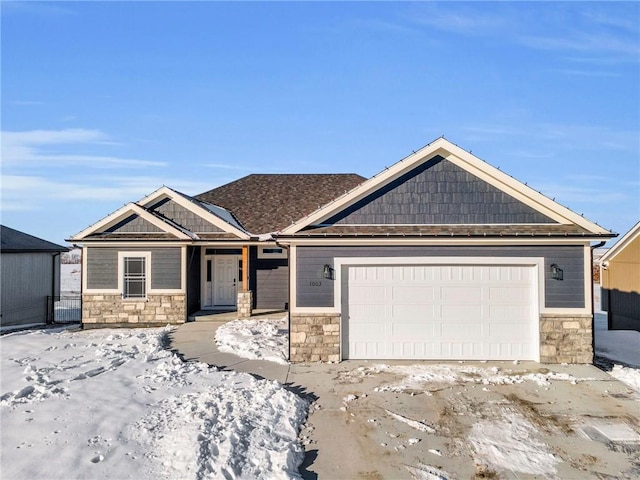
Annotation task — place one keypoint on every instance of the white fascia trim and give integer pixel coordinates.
(205, 214)
(621, 244)
(464, 160)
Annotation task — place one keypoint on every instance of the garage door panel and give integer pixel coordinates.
(412, 330)
(505, 313)
(457, 294)
(461, 332)
(412, 293)
(479, 312)
(509, 294)
(413, 313)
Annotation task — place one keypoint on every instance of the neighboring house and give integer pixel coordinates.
(30, 273)
(620, 281)
(440, 256)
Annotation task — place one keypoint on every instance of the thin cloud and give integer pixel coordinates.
(30, 192)
(30, 149)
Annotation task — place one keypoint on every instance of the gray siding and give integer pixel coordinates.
(166, 268)
(568, 293)
(27, 279)
(134, 224)
(272, 289)
(438, 192)
(102, 267)
(184, 217)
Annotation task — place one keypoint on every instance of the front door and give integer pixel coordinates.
(221, 276)
(225, 279)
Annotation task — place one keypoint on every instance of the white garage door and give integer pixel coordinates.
(474, 312)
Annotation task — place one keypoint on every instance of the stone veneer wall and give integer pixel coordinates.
(315, 337)
(245, 303)
(113, 311)
(566, 338)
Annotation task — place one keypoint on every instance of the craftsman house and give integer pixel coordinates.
(440, 256)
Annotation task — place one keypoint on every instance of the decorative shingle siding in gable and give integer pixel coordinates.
(133, 224)
(438, 192)
(184, 217)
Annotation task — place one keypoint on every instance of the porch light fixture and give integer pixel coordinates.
(327, 271)
(556, 272)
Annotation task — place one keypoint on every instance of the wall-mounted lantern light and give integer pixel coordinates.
(327, 272)
(556, 272)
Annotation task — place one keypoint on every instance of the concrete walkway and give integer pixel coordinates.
(196, 341)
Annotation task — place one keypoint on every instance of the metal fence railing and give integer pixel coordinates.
(65, 309)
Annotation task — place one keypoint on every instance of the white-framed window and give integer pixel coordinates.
(272, 252)
(134, 274)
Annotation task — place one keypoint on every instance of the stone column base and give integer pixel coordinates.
(315, 337)
(245, 304)
(566, 338)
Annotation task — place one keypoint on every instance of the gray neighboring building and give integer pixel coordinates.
(30, 272)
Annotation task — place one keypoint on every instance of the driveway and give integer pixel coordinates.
(431, 420)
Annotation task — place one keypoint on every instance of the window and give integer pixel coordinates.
(134, 281)
(272, 252)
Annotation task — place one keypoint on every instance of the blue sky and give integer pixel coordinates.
(102, 103)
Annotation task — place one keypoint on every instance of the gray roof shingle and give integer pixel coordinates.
(15, 241)
(265, 203)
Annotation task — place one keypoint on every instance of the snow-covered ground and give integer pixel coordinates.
(117, 404)
(70, 274)
(261, 339)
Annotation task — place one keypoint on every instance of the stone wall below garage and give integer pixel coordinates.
(315, 337)
(566, 338)
(113, 311)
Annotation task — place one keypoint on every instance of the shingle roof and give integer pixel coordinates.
(265, 203)
(15, 241)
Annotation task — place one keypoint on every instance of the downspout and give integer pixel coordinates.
(593, 313)
(53, 289)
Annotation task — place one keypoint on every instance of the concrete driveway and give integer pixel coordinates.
(454, 420)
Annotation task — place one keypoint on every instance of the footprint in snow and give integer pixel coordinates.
(97, 459)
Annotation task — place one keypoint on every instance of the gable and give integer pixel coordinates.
(438, 192)
(184, 217)
(442, 190)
